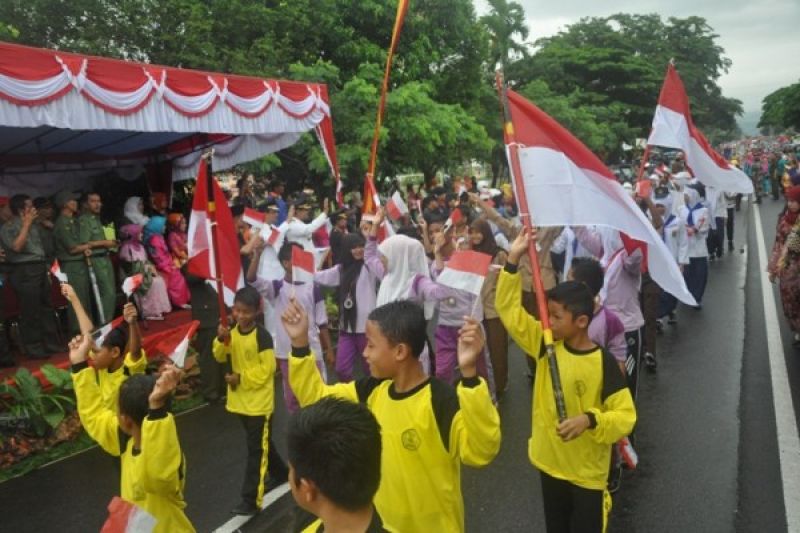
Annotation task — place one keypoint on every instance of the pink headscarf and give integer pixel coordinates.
(132, 248)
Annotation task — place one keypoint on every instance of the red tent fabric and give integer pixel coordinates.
(71, 114)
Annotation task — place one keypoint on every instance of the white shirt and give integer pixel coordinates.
(702, 224)
(300, 232)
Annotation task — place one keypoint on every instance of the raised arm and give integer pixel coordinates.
(84, 322)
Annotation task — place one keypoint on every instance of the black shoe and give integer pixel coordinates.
(659, 326)
(650, 361)
(672, 319)
(730, 246)
(246, 509)
(615, 478)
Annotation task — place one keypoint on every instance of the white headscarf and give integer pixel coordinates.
(405, 258)
(132, 212)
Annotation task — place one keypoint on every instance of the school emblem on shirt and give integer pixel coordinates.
(410, 439)
(580, 388)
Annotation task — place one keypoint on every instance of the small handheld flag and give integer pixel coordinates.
(466, 271)
(256, 219)
(125, 517)
(454, 218)
(55, 269)
(100, 334)
(302, 265)
(396, 207)
(131, 284)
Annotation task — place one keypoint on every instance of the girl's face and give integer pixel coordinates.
(793, 206)
(475, 237)
(358, 253)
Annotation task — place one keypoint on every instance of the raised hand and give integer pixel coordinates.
(79, 348)
(166, 385)
(129, 313)
(470, 346)
(520, 245)
(295, 322)
(68, 292)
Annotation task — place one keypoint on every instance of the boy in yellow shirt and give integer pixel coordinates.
(251, 391)
(119, 354)
(428, 427)
(141, 432)
(572, 455)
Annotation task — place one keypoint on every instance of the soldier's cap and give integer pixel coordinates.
(64, 196)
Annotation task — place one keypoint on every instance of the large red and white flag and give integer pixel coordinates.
(396, 206)
(132, 283)
(253, 217)
(466, 270)
(303, 265)
(201, 253)
(673, 128)
(567, 185)
(55, 269)
(100, 334)
(125, 517)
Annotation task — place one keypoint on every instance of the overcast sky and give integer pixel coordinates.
(761, 37)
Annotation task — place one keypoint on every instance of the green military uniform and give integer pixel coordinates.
(91, 229)
(66, 236)
(30, 279)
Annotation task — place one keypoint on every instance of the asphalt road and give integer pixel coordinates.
(706, 438)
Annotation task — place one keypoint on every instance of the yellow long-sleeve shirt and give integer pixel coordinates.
(110, 382)
(591, 381)
(153, 475)
(252, 357)
(426, 434)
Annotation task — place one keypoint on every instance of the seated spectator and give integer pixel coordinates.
(157, 249)
(152, 297)
(177, 239)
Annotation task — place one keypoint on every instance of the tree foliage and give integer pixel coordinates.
(600, 77)
(780, 110)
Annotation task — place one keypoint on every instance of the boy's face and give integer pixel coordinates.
(126, 423)
(104, 357)
(381, 356)
(244, 315)
(563, 323)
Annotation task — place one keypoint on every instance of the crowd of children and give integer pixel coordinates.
(420, 367)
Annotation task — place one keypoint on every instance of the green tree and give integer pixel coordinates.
(780, 110)
(622, 59)
(505, 21)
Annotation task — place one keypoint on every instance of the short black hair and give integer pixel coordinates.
(117, 338)
(402, 322)
(17, 203)
(337, 444)
(410, 231)
(588, 271)
(42, 202)
(248, 296)
(575, 297)
(134, 395)
(285, 253)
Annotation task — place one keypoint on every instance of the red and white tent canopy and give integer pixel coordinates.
(74, 115)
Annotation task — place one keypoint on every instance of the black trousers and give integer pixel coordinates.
(633, 360)
(569, 508)
(262, 458)
(5, 353)
(37, 321)
(729, 224)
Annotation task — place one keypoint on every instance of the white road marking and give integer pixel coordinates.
(233, 525)
(785, 419)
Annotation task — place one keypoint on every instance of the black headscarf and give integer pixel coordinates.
(348, 278)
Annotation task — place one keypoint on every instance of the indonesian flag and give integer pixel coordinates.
(125, 517)
(567, 185)
(454, 218)
(99, 335)
(466, 271)
(302, 265)
(673, 127)
(55, 270)
(132, 283)
(396, 207)
(255, 218)
(272, 235)
(201, 258)
(175, 343)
